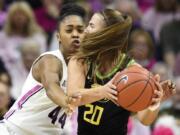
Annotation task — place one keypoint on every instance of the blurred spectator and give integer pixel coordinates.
(4, 99)
(107, 3)
(48, 14)
(177, 66)
(142, 48)
(2, 66)
(96, 5)
(169, 121)
(3, 13)
(88, 6)
(163, 12)
(5, 77)
(34, 3)
(163, 70)
(129, 7)
(30, 50)
(20, 26)
(165, 73)
(136, 128)
(170, 41)
(144, 5)
(54, 42)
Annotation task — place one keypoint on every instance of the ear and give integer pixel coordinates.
(58, 37)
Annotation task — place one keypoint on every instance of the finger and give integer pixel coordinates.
(158, 93)
(112, 91)
(76, 95)
(164, 82)
(112, 86)
(172, 85)
(174, 91)
(155, 100)
(159, 86)
(157, 77)
(112, 97)
(169, 82)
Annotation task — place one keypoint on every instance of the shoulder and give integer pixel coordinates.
(78, 64)
(48, 61)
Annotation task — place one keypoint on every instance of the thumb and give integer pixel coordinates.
(157, 77)
(76, 95)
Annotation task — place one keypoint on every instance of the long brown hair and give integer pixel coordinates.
(112, 38)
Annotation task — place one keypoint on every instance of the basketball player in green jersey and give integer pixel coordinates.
(101, 55)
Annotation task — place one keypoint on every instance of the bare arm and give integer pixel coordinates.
(76, 83)
(48, 71)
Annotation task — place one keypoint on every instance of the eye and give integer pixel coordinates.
(69, 30)
(91, 25)
(80, 30)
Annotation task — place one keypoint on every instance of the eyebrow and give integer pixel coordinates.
(79, 26)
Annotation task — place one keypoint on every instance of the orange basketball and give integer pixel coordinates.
(135, 86)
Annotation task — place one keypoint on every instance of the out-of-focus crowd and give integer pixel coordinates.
(28, 28)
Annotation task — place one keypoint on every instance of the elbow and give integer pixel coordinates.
(47, 87)
(145, 121)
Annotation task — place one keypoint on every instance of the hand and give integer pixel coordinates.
(109, 90)
(169, 89)
(72, 103)
(158, 95)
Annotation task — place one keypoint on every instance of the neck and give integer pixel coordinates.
(64, 55)
(107, 61)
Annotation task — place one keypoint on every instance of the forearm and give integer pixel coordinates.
(147, 116)
(89, 95)
(57, 95)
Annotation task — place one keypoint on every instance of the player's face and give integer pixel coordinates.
(95, 24)
(71, 33)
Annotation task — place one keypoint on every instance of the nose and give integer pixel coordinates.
(86, 30)
(75, 34)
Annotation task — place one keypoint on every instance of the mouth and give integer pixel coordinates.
(76, 43)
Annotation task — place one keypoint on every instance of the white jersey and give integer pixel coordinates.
(34, 113)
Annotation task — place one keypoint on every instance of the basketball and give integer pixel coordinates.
(135, 86)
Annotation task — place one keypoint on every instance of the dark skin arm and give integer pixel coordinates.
(48, 71)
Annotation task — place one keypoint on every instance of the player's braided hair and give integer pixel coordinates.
(71, 9)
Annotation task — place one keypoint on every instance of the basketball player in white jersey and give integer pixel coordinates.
(40, 110)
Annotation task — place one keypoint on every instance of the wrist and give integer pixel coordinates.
(100, 91)
(154, 108)
(66, 101)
